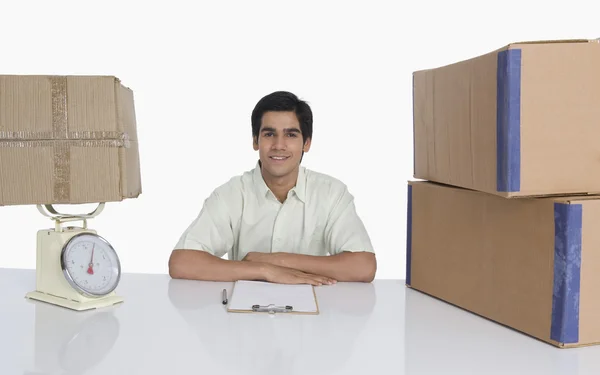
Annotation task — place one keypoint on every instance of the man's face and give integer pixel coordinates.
(280, 143)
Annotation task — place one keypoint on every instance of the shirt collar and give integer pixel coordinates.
(262, 189)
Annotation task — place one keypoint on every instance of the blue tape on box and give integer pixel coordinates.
(508, 121)
(567, 272)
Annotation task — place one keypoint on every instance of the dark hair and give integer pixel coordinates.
(283, 101)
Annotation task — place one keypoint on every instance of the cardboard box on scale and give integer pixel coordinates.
(67, 140)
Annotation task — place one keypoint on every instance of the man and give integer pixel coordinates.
(279, 222)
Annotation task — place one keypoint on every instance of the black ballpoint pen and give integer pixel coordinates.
(224, 296)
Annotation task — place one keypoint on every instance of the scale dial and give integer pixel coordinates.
(90, 265)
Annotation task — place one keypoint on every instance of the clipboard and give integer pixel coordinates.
(272, 298)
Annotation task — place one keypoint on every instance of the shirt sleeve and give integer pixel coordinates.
(211, 231)
(344, 230)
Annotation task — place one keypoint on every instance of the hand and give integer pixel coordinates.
(283, 275)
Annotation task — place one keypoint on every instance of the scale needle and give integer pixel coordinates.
(91, 265)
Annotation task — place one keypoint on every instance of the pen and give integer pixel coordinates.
(224, 296)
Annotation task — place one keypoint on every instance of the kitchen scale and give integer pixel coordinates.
(75, 267)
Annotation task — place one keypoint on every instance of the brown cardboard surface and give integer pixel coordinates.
(495, 256)
(456, 121)
(67, 139)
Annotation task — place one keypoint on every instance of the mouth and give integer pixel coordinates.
(279, 158)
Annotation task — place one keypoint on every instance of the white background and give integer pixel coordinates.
(198, 68)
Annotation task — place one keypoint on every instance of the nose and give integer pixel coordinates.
(279, 143)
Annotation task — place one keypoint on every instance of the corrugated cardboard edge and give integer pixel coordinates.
(566, 197)
(523, 195)
(129, 160)
(512, 45)
(554, 41)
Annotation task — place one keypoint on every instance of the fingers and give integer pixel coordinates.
(308, 280)
(325, 280)
(305, 278)
(318, 279)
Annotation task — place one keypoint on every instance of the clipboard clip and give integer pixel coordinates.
(272, 309)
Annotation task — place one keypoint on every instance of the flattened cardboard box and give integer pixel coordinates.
(518, 121)
(67, 140)
(529, 264)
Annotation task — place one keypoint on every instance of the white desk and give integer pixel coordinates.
(171, 326)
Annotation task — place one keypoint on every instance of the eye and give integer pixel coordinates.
(294, 135)
(268, 134)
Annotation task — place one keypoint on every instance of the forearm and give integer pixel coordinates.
(200, 265)
(346, 266)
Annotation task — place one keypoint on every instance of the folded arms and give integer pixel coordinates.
(284, 268)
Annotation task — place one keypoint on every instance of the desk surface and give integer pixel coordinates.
(171, 326)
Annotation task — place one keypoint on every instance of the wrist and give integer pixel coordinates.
(263, 270)
(279, 259)
(248, 270)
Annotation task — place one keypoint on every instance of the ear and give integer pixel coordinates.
(255, 143)
(306, 145)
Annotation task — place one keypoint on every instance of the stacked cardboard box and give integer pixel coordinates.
(67, 140)
(505, 222)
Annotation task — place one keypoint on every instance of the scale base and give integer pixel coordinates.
(74, 305)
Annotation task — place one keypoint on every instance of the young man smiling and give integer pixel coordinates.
(279, 222)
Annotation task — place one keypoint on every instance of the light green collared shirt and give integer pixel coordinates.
(318, 217)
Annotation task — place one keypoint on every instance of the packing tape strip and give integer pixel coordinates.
(67, 142)
(43, 136)
(62, 151)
